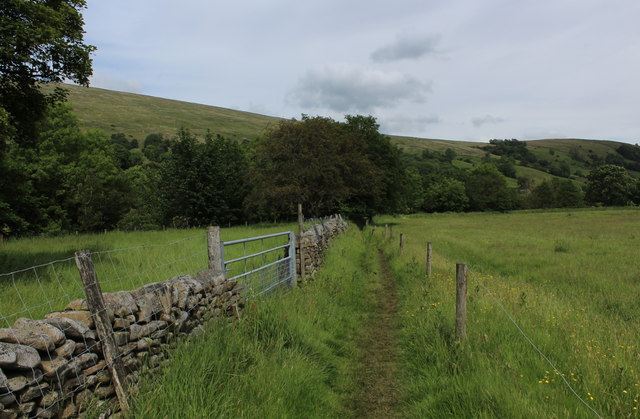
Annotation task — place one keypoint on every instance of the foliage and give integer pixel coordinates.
(513, 148)
(555, 193)
(487, 190)
(203, 182)
(610, 185)
(445, 194)
(327, 166)
(40, 41)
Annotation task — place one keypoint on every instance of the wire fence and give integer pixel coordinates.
(150, 295)
(520, 330)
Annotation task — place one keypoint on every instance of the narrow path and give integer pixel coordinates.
(377, 395)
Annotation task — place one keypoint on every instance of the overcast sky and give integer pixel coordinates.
(450, 69)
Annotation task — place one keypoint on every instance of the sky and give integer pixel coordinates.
(468, 70)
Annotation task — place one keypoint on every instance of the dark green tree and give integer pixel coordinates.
(445, 194)
(40, 42)
(555, 193)
(610, 185)
(487, 190)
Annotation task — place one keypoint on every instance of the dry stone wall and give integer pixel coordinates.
(315, 240)
(55, 367)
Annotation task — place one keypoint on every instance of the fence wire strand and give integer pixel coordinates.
(533, 345)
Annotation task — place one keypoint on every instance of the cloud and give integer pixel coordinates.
(407, 48)
(487, 119)
(111, 83)
(345, 88)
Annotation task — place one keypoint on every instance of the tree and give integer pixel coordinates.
(40, 42)
(610, 185)
(555, 193)
(445, 194)
(487, 190)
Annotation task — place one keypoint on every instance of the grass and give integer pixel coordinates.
(569, 279)
(288, 357)
(139, 115)
(123, 261)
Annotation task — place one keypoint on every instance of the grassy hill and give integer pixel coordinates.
(139, 115)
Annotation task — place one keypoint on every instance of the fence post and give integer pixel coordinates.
(401, 242)
(300, 250)
(429, 249)
(461, 301)
(386, 229)
(292, 253)
(391, 231)
(1, 240)
(214, 249)
(95, 302)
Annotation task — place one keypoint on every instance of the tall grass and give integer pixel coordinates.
(289, 356)
(570, 280)
(38, 275)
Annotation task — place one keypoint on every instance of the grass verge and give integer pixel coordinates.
(289, 356)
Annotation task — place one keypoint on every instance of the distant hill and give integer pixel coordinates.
(139, 115)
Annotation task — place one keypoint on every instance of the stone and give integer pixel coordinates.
(70, 410)
(79, 304)
(55, 367)
(4, 382)
(49, 412)
(17, 383)
(147, 298)
(24, 357)
(121, 338)
(210, 278)
(104, 392)
(71, 328)
(26, 408)
(37, 340)
(8, 399)
(94, 369)
(122, 303)
(84, 398)
(74, 384)
(33, 392)
(80, 316)
(138, 331)
(143, 344)
(82, 362)
(39, 326)
(8, 414)
(49, 399)
(103, 377)
(120, 323)
(66, 350)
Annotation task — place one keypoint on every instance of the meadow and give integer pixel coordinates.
(38, 275)
(552, 324)
(569, 280)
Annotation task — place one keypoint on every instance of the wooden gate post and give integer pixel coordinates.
(214, 249)
(95, 301)
(429, 249)
(461, 301)
(300, 249)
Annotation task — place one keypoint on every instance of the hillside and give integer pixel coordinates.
(138, 116)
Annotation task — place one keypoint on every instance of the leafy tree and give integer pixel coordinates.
(40, 41)
(203, 183)
(326, 165)
(487, 190)
(610, 185)
(156, 147)
(507, 166)
(555, 193)
(445, 194)
(145, 212)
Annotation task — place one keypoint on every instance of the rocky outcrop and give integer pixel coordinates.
(55, 367)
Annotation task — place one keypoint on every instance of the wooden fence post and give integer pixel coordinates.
(214, 249)
(300, 249)
(386, 229)
(429, 249)
(401, 242)
(461, 301)
(95, 302)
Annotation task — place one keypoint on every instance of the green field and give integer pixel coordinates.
(46, 277)
(565, 282)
